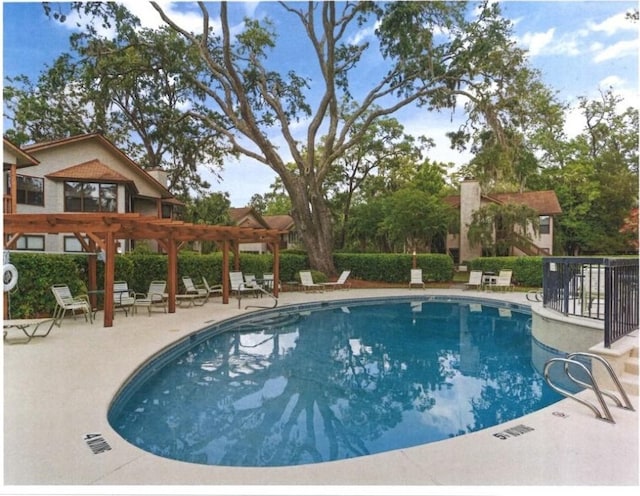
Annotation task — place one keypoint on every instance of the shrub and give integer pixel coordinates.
(32, 297)
(527, 271)
(394, 268)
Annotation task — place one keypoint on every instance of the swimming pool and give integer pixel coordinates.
(333, 380)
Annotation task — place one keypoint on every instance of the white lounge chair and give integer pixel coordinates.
(154, 298)
(475, 279)
(28, 326)
(192, 295)
(341, 282)
(239, 287)
(268, 282)
(215, 290)
(503, 281)
(306, 281)
(123, 297)
(65, 302)
(416, 278)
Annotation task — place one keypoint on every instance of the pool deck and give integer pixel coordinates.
(57, 390)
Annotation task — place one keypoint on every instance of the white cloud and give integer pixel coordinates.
(617, 51)
(186, 15)
(250, 8)
(629, 96)
(612, 81)
(536, 42)
(546, 43)
(574, 121)
(363, 34)
(612, 25)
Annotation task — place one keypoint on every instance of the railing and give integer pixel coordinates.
(571, 361)
(598, 288)
(6, 204)
(526, 246)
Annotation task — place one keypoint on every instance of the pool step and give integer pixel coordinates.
(629, 377)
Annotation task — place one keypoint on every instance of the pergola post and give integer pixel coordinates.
(172, 273)
(92, 273)
(104, 230)
(276, 267)
(109, 270)
(225, 271)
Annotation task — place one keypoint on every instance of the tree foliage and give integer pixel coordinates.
(597, 178)
(128, 87)
(246, 99)
(230, 89)
(498, 228)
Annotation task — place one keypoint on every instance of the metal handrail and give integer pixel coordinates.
(571, 360)
(606, 414)
(261, 289)
(627, 404)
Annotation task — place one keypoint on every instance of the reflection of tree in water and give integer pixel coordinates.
(320, 391)
(510, 389)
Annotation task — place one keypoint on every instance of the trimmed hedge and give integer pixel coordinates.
(527, 271)
(32, 296)
(37, 272)
(395, 268)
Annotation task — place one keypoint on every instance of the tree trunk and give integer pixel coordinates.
(313, 223)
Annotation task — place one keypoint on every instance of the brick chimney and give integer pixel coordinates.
(159, 175)
(469, 203)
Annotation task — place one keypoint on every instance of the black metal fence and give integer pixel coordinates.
(597, 288)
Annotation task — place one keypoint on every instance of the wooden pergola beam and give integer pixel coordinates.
(103, 229)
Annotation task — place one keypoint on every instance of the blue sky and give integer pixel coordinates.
(579, 47)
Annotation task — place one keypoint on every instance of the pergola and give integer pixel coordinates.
(100, 231)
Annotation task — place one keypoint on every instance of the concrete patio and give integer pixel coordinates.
(57, 391)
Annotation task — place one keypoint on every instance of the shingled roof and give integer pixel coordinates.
(162, 190)
(279, 222)
(543, 202)
(93, 170)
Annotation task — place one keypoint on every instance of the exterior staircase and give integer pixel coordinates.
(526, 246)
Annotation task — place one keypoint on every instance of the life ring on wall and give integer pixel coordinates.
(9, 277)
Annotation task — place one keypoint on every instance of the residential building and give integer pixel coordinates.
(85, 173)
(471, 199)
(249, 217)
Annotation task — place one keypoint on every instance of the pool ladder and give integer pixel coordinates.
(570, 360)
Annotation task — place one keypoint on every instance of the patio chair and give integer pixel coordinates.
(503, 281)
(475, 279)
(306, 280)
(268, 282)
(250, 281)
(240, 284)
(416, 278)
(341, 282)
(65, 302)
(28, 326)
(215, 290)
(154, 298)
(193, 295)
(123, 297)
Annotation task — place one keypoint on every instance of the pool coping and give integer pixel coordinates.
(63, 392)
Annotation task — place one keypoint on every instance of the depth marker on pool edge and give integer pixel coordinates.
(97, 443)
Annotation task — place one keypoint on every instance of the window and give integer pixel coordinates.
(72, 244)
(167, 211)
(90, 197)
(30, 190)
(545, 224)
(32, 243)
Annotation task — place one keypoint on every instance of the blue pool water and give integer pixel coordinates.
(332, 381)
